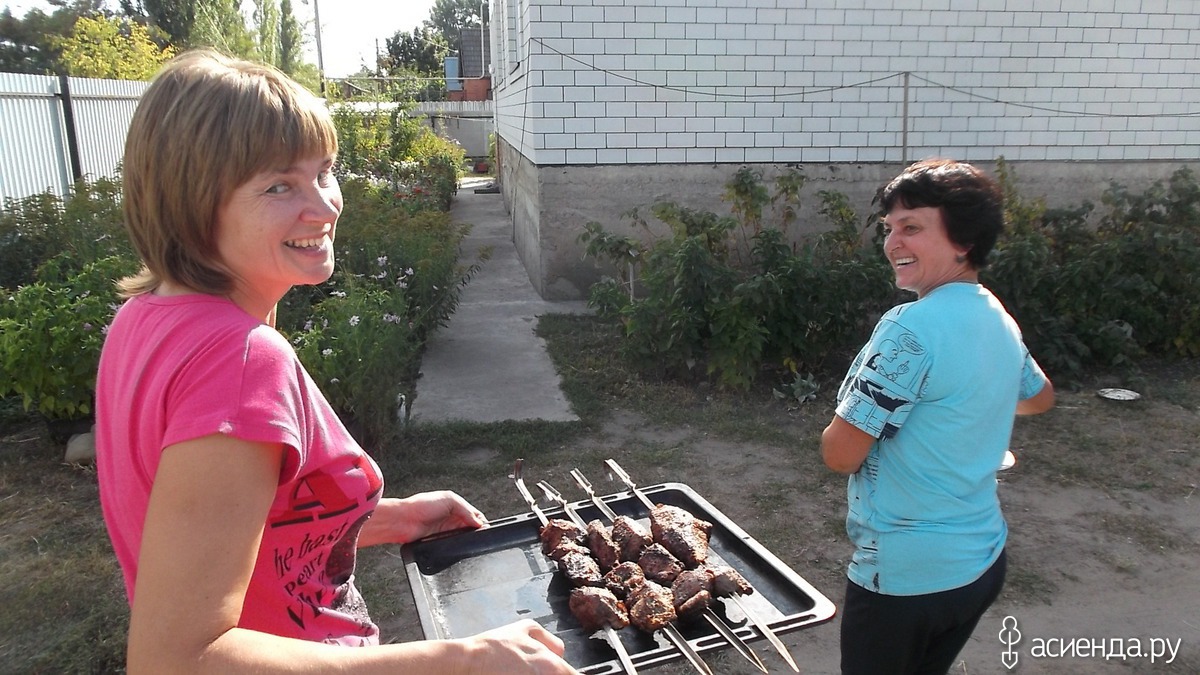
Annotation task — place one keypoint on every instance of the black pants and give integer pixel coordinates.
(885, 634)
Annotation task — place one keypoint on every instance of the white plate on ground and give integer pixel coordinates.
(1117, 394)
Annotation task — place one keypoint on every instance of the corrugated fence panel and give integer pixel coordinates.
(103, 110)
(33, 138)
(33, 155)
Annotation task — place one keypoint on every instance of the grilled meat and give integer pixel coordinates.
(623, 577)
(630, 537)
(579, 566)
(659, 565)
(681, 533)
(692, 592)
(728, 581)
(596, 608)
(600, 541)
(650, 607)
(556, 531)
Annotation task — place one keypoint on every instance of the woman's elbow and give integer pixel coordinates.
(1039, 402)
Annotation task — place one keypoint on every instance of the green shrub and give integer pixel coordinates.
(84, 226)
(51, 333)
(729, 296)
(1104, 295)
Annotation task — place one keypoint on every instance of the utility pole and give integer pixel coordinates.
(320, 56)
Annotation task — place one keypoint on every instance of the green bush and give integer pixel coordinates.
(730, 297)
(51, 333)
(1104, 295)
(84, 226)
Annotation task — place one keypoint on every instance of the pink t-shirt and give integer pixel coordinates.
(180, 368)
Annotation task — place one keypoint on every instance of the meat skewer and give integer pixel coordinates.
(610, 633)
(691, 604)
(652, 601)
(762, 626)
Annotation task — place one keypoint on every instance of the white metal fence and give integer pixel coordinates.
(54, 130)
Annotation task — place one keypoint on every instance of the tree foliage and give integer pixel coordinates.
(114, 48)
(291, 41)
(420, 52)
(29, 44)
(423, 50)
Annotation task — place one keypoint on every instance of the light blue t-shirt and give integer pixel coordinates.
(937, 384)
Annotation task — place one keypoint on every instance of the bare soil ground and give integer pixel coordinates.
(1102, 505)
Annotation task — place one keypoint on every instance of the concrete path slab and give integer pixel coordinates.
(487, 364)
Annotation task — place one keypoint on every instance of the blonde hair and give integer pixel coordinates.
(206, 125)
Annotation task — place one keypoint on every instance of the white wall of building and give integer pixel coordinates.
(587, 82)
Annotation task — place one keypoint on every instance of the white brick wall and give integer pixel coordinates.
(672, 81)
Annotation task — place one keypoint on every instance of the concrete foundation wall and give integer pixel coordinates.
(519, 181)
(570, 197)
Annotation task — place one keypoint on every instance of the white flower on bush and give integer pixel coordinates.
(338, 294)
(354, 320)
(391, 318)
(326, 352)
(382, 260)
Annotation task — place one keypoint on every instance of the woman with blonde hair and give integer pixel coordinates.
(234, 497)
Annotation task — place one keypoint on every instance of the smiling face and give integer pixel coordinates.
(276, 231)
(921, 253)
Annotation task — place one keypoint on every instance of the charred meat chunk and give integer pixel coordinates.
(728, 581)
(556, 531)
(692, 592)
(659, 565)
(681, 533)
(630, 537)
(623, 578)
(580, 567)
(596, 608)
(650, 607)
(600, 541)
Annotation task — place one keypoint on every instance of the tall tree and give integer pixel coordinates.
(291, 42)
(266, 19)
(173, 17)
(448, 17)
(421, 51)
(115, 48)
(29, 44)
(221, 25)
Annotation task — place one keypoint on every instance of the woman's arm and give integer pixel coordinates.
(1039, 402)
(399, 521)
(845, 446)
(205, 520)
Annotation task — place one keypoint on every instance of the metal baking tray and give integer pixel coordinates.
(474, 581)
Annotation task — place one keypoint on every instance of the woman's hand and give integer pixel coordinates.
(521, 647)
(399, 521)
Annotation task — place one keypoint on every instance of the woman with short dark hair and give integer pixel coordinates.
(923, 420)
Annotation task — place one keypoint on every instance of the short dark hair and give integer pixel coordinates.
(971, 202)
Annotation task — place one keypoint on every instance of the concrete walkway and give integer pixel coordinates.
(487, 365)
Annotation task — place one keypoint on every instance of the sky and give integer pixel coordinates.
(351, 30)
